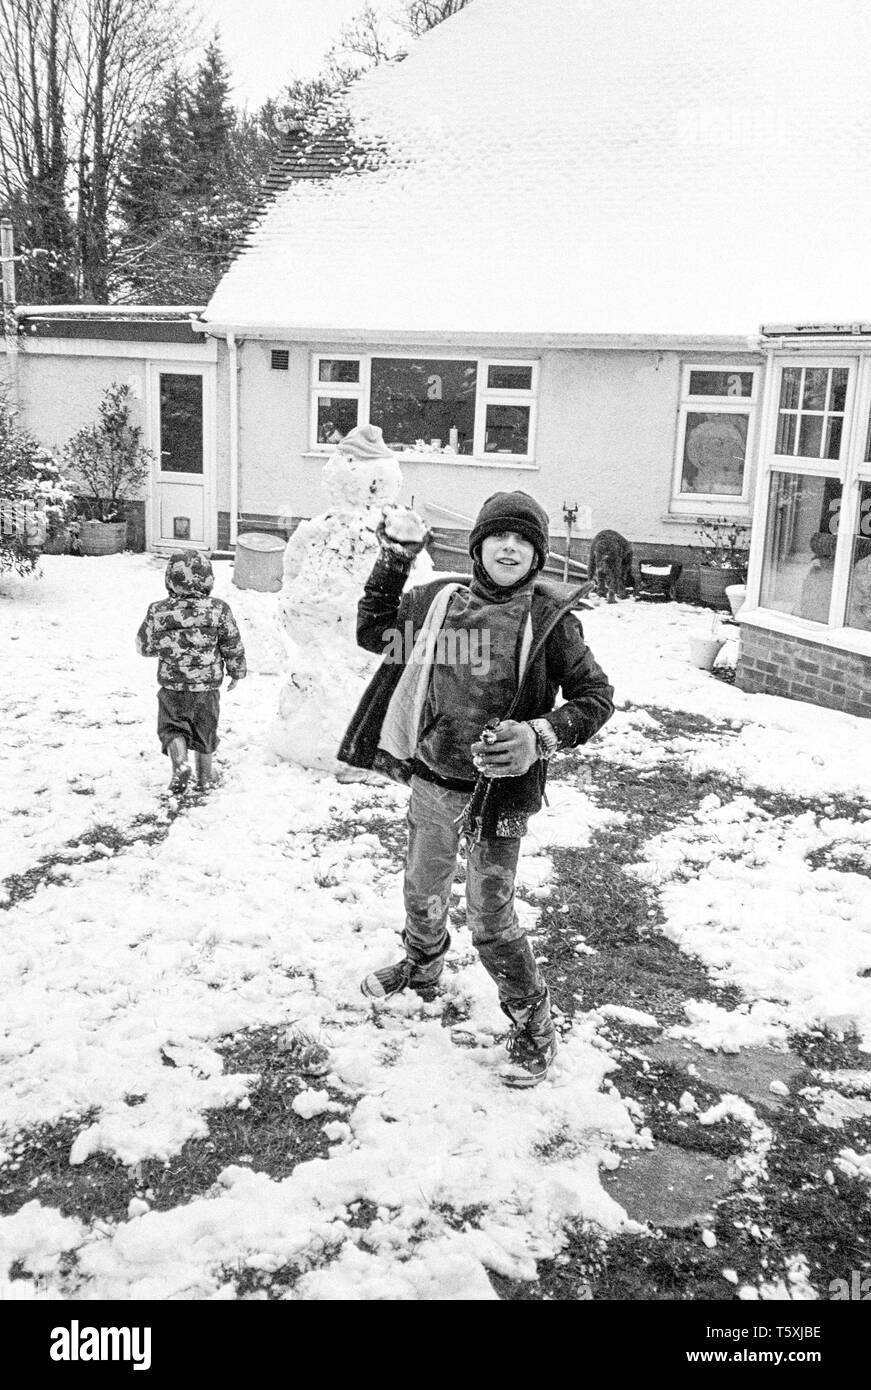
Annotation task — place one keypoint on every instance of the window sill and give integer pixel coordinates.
(845, 639)
(692, 519)
(452, 460)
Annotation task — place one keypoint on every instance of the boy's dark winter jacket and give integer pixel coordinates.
(559, 659)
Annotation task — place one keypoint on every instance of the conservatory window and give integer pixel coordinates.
(859, 590)
(810, 419)
(717, 410)
(800, 540)
(451, 406)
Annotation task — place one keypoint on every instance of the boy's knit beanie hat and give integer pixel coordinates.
(189, 574)
(512, 511)
(364, 443)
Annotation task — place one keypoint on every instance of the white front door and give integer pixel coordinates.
(182, 413)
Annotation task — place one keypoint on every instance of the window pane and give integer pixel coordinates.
(424, 399)
(789, 386)
(181, 423)
(800, 539)
(713, 456)
(810, 436)
(833, 437)
(721, 384)
(868, 441)
(337, 416)
(333, 369)
(859, 592)
(507, 429)
(786, 435)
(839, 388)
(816, 380)
(509, 378)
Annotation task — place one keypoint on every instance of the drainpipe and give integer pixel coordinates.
(233, 350)
(10, 322)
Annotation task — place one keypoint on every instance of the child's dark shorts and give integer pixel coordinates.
(191, 714)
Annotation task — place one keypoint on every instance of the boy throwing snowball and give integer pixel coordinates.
(473, 737)
(195, 639)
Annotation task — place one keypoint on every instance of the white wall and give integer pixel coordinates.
(607, 423)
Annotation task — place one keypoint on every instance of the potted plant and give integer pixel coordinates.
(725, 551)
(111, 461)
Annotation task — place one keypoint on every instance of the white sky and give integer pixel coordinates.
(268, 43)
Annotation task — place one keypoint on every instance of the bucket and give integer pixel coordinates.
(736, 594)
(703, 651)
(259, 562)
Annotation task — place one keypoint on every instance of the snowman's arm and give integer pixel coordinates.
(380, 610)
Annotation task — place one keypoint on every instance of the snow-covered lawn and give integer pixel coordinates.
(265, 904)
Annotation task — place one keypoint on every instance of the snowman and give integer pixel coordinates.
(326, 564)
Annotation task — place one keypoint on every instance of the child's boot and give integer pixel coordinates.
(178, 752)
(204, 770)
(531, 1043)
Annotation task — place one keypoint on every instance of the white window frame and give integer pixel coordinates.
(715, 503)
(348, 390)
(484, 397)
(850, 469)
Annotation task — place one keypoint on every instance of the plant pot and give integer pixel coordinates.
(102, 537)
(704, 650)
(736, 595)
(713, 583)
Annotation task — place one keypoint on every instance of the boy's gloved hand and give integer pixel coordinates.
(402, 531)
(232, 684)
(512, 751)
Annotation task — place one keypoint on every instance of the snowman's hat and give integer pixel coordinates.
(364, 443)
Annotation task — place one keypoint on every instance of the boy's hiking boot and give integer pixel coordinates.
(305, 1053)
(405, 974)
(531, 1043)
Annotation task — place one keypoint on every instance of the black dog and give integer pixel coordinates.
(610, 564)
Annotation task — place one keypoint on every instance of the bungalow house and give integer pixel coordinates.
(537, 253)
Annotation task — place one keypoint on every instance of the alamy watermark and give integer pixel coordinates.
(857, 1288)
(452, 647)
(24, 520)
(76, 1343)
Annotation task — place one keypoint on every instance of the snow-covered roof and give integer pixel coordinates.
(666, 167)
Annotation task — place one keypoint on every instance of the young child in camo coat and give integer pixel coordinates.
(421, 719)
(195, 639)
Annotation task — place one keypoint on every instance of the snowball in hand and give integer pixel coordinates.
(403, 525)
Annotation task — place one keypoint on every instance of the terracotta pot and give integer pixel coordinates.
(704, 650)
(102, 537)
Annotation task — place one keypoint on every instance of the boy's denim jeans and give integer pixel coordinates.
(431, 861)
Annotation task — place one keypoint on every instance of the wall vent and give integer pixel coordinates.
(280, 359)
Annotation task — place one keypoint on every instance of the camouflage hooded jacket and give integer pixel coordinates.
(194, 636)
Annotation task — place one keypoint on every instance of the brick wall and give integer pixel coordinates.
(776, 663)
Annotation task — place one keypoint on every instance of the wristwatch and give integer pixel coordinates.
(546, 739)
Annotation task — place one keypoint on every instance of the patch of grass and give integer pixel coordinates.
(821, 1049)
(793, 1208)
(144, 829)
(663, 1085)
(268, 1136)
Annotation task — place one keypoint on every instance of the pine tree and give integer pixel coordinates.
(209, 123)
